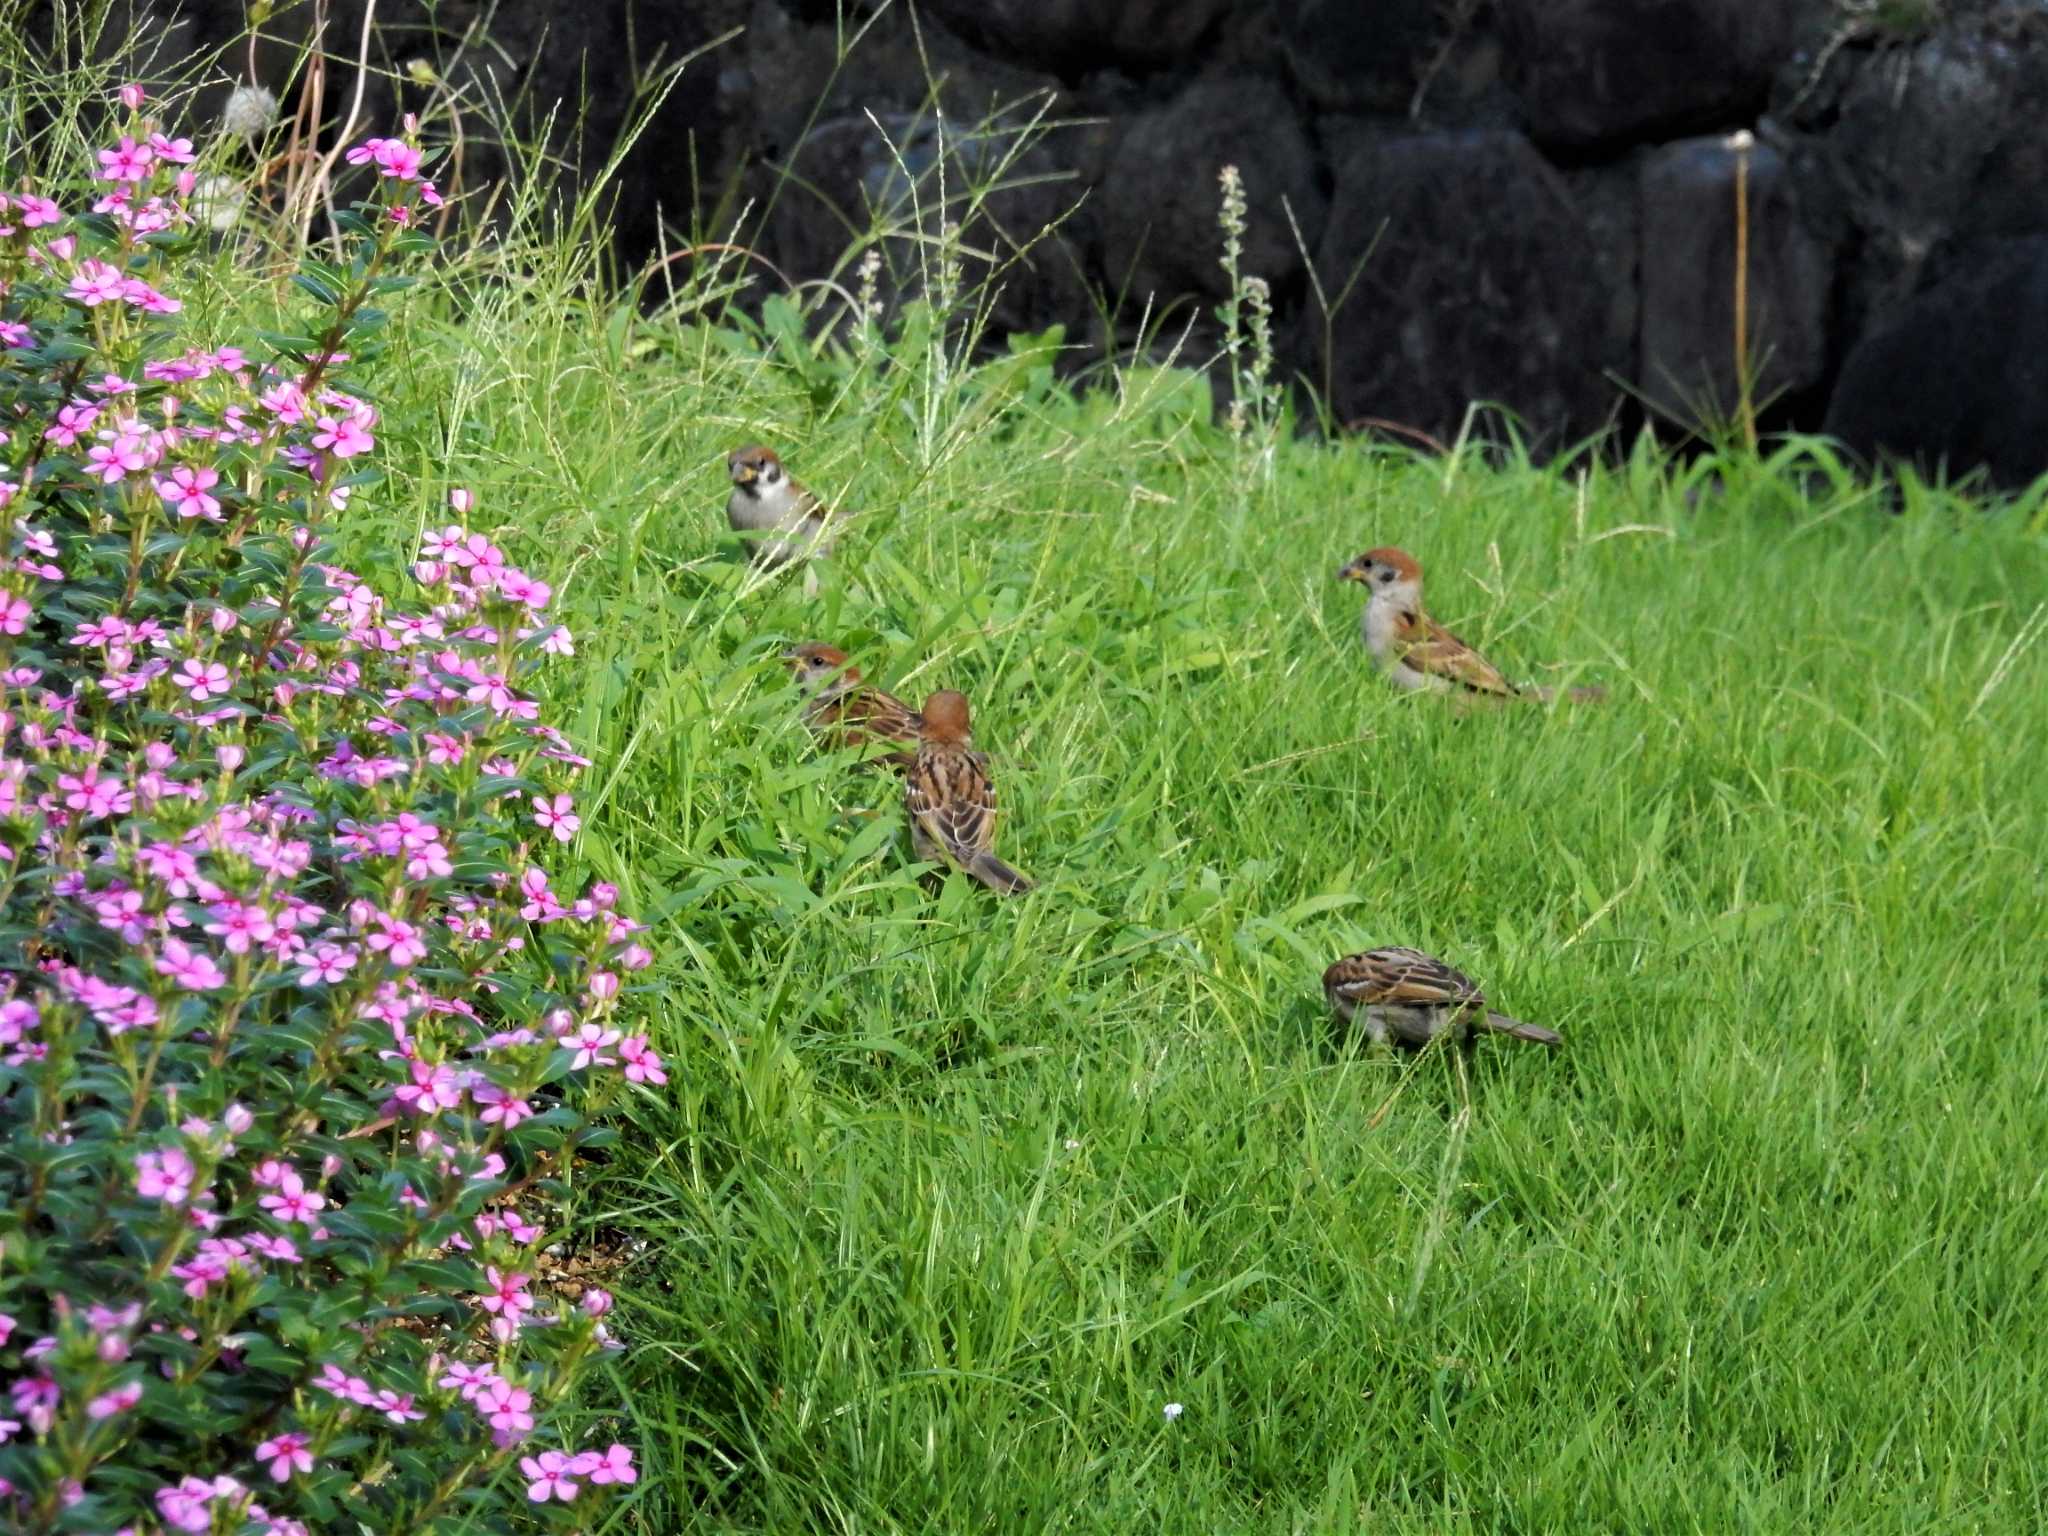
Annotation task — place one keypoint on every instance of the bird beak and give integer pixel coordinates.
(1352, 572)
(743, 474)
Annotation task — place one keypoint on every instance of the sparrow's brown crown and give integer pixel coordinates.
(814, 653)
(752, 463)
(945, 716)
(1380, 566)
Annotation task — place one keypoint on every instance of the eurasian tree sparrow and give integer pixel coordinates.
(1410, 998)
(952, 800)
(779, 520)
(1415, 651)
(846, 712)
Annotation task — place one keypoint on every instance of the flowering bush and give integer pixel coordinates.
(296, 1039)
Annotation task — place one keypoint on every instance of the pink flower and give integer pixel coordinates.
(326, 964)
(276, 1248)
(469, 1380)
(15, 613)
(126, 161)
(397, 940)
(188, 1506)
(508, 1408)
(398, 159)
(286, 1454)
(557, 816)
(121, 456)
(132, 96)
(615, 1466)
(94, 797)
(294, 1202)
(96, 283)
(192, 969)
(397, 1407)
(500, 1106)
(185, 489)
(203, 680)
(177, 151)
(37, 211)
(432, 1089)
(643, 1065)
(165, 1176)
(120, 1400)
(550, 1477)
(35, 1399)
(588, 1043)
(508, 1294)
(342, 437)
(596, 1302)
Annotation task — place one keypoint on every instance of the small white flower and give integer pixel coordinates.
(1073, 1145)
(1174, 1411)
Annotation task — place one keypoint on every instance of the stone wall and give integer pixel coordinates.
(1523, 202)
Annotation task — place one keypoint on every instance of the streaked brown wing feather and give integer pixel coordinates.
(860, 715)
(1401, 975)
(883, 717)
(1431, 648)
(949, 794)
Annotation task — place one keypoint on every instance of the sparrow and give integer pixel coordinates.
(846, 712)
(1410, 998)
(779, 520)
(952, 800)
(1415, 651)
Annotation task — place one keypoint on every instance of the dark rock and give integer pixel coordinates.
(1073, 37)
(1349, 57)
(1686, 355)
(1609, 198)
(1481, 281)
(1594, 72)
(1911, 147)
(1160, 200)
(1959, 377)
(894, 181)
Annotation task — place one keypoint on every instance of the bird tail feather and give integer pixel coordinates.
(1501, 1023)
(998, 876)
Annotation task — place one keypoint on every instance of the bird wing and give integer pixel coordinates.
(1377, 977)
(949, 794)
(1428, 647)
(881, 716)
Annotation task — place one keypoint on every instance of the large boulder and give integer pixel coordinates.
(893, 181)
(1478, 279)
(1939, 141)
(1686, 355)
(1349, 57)
(1158, 206)
(1593, 72)
(1958, 378)
(1075, 37)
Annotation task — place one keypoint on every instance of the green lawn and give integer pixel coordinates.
(949, 1197)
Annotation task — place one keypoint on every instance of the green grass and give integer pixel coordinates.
(949, 1197)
